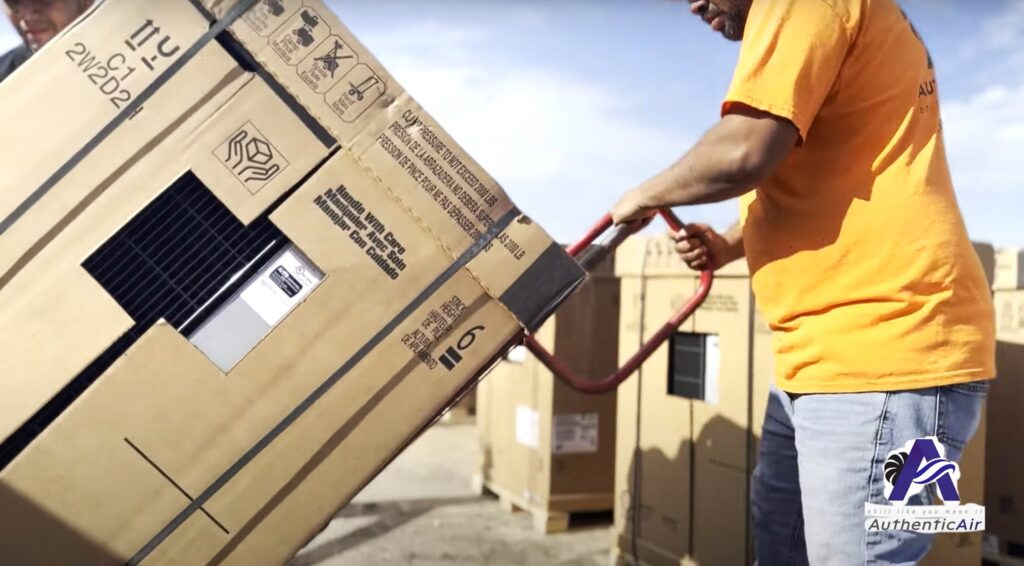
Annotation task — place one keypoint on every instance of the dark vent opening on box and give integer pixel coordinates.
(175, 260)
(686, 365)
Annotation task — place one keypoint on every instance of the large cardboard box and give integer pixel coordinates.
(545, 447)
(1004, 479)
(685, 442)
(257, 388)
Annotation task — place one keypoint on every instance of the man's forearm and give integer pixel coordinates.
(733, 157)
(718, 168)
(710, 172)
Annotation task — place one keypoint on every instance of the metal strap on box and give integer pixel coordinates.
(240, 7)
(326, 386)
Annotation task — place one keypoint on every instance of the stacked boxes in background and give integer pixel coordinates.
(545, 447)
(1004, 480)
(685, 440)
(239, 272)
(690, 419)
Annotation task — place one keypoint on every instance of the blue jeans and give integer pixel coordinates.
(822, 457)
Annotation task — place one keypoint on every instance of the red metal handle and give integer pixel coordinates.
(611, 382)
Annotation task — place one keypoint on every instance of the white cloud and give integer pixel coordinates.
(984, 134)
(562, 147)
(985, 129)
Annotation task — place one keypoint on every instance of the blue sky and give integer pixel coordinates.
(568, 103)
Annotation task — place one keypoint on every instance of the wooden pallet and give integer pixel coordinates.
(553, 518)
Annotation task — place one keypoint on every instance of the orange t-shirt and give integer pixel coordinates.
(860, 258)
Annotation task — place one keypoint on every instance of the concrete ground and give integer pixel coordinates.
(422, 510)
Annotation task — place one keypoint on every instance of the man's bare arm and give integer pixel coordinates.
(732, 158)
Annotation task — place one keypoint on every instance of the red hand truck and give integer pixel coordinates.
(588, 255)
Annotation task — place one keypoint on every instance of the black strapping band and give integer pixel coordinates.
(126, 113)
(323, 388)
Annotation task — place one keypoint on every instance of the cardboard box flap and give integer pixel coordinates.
(111, 69)
(340, 83)
(57, 320)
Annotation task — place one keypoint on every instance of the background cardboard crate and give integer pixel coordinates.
(546, 448)
(691, 459)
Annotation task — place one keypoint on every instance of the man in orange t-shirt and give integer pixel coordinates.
(882, 319)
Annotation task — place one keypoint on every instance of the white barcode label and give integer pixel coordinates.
(280, 285)
(712, 361)
(527, 426)
(575, 433)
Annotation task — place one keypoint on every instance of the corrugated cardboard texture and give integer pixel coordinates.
(682, 465)
(165, 458)
(583, 335)
(1004, 488)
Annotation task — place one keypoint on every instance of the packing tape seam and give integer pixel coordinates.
(267, 66)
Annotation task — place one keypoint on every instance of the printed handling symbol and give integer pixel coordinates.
(359, 91)
(330, 61)
(304, 34)
(259, 173)
(235, 149)
(275, 7)
(255, 155)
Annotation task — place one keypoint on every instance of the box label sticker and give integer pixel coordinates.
(284, 280)
(265, 17)
(575, 433)
(251, 158)
(712, 361)
(331, 61)
(527, 426)
(300, 36)
(281, 285)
